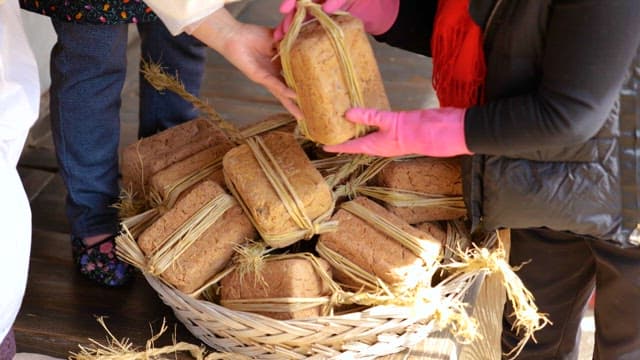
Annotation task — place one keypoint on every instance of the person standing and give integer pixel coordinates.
(532, 91)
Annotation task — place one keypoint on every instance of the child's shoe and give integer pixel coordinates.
(99, 263)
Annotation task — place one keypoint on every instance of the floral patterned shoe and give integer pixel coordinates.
(99, 263)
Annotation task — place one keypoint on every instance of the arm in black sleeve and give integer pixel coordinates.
(588, 48)
(413, 27)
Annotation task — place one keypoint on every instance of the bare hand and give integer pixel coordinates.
(251, 49)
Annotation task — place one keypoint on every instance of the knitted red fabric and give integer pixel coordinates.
(459, 67)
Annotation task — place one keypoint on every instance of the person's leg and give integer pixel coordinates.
(180, 55)
(617, 308)
(88, 67)
(561, 275)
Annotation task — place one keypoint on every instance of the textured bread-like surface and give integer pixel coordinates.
(163, 179)
(320, 83)
(282, 278)
(142, 159)
(374, 251)
(434, 229)
(211, 251)
(252, 185)
(436, 176)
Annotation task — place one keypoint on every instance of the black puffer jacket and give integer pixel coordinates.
(558, 148)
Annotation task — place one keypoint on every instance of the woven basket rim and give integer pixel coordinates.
(375, 331)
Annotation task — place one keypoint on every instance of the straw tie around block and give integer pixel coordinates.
(287, 195)
(304, 7)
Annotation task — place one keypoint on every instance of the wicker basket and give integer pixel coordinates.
(374, 332)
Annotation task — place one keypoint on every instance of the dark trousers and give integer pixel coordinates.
(562, 273)
(88, 68)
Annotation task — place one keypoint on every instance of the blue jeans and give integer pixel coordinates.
(88, 68)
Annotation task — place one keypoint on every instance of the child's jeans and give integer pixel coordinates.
(88, 68)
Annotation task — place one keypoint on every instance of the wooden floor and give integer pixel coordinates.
(60, 306)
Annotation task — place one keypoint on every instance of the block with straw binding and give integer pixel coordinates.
(280, 189)
(293, 283)
(367, 238)
(169, 182)
(435, 183)
(142, 159)
(201, 230)
(321, 82)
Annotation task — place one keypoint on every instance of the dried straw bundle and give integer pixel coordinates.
(123, 349)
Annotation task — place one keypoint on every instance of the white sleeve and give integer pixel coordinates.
(19, 100)
(179, 15)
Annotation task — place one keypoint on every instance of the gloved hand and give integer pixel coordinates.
(431, 132)
(377, 15)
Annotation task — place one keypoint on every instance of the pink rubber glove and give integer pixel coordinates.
(431, 132)
(377, 15)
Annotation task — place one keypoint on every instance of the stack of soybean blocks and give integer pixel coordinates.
(281, 199)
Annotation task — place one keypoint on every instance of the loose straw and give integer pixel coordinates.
(527, 318)
(336, 37)
(123, 349)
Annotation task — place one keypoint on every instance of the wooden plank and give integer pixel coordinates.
(34, 180)
(41, 157)
(47, 208)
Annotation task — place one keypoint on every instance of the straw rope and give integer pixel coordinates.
(350, 169)
(268, 124)
(161, 81)
(336, 36)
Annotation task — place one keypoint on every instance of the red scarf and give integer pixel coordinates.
(459, 68)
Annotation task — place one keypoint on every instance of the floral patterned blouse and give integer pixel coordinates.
(92, 11)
